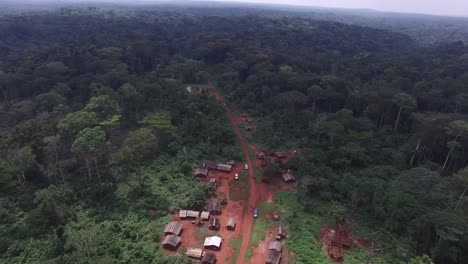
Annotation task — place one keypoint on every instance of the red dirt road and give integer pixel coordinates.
(247, 219)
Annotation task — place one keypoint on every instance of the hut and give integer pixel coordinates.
(264, 162)
(275, 245)
(183, 214)
(214, 224)
(173, 228)
(205, 215)
(194, 253)
(209, 258)
(249, 119)
(288, 177)
(200, 172)
(281, 154)
(224, 167)
(261, 155)
(210, 165)
(212, 184)
(231, 162)
(248, 128)
(214, 208)
(192, 214)
(273, 257)
(280, 233)
(213, 242)
(171, 242)
(231, 224)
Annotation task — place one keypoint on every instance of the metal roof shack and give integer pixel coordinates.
(214, 224)
(261, 155)
(280, 233)
(213, 242)
(231, 162)
(171, 242)
(200, 172)
(273, 257)
(209, 258)
(224, 167)
(194, 253)
(205, 215)
(183, 214)
(231, 223)
(210, 165)
(214, 208)
(288, 177)
(281, 154)
(192, 214)
(212, 184)
(173, 228)
(275, 245)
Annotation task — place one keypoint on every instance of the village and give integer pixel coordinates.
(207, 235)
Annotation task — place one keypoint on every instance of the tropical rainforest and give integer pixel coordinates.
(99, 137)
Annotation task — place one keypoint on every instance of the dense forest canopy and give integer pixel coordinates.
(97, 127)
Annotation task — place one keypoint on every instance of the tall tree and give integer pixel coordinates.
(90, 144)
(404, 101)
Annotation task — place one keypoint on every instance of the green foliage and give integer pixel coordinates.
(75, 122)
(159, 122)
(50, 100)
(90, 142)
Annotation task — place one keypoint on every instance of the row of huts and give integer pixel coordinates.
(208, 165)
(275, 247)
(214, 224)
(172, 238)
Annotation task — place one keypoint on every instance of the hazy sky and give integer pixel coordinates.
(438, 7)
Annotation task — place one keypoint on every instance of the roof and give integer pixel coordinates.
(209, 258)
(231, 222)
(224, 167)
(213, 241)
(280, 231)
(171, 240)
(288, 177)
(273, 257)
(194, 252)
(261, 155)
(200, 172)
(191, 213)
(214, 207)
(182, 213)
(173, 227)
(275, 245)
(214, 222)
(210, 165)
(205, 215)
(231, 162)
(281, 154)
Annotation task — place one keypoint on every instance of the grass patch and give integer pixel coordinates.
(259, 230)
(249, 253)
(202, 233)
(235, 244)
(239, 190)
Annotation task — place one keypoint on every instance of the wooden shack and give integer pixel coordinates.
(182, 214)
(196, 253)
(288, 177)
(214, 224)
(200, 172)
(192, 214)
(224, 167)
(171, 242)
(215, 208)
(280, 234)
(205, 215)
(210, 165)
(275, 245)
(231, 224)
(173, 228)
(261, 155)
(273, 257)
(209, 258)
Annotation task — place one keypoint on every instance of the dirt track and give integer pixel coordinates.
(247, 219)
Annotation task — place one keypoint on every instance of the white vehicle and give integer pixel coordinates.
(236, 176)
(246, 166)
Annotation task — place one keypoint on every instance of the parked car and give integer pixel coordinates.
(255, 212)
(236, 176)
(246, 166)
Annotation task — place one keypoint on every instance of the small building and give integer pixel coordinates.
(288, 177)
(231, 162)
(200, 172)
(212, 184)
(183, 214)
(273, 257)
(214, 224)
(280, 234)
(192, 214)
(275, 245)
(281, 154)
(210, 165)
(173, 228)
(249, 119)
(261, 155)
(209, 258)
(171, 242)
(224, 167)
(196, 253)
(214, 208)
(205, 215)
(231, 224)
(248, 128)
(213, 242)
